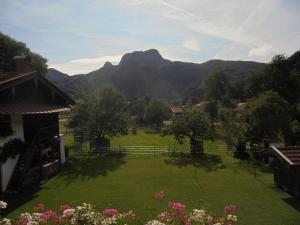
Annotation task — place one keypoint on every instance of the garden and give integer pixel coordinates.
(129, 182)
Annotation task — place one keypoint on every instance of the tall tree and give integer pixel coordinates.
(156, 111)
(216, 86)
(268, 117)
(102, 114)
(138, 110)
(10, 48)
(192, 125)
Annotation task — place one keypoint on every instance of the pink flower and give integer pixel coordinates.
(48, 214)
(177, 206)
(23, 221)
(159, 195)
(110, 212)
(230, 209)
(164, 215)
(64, 207)
(39, 207)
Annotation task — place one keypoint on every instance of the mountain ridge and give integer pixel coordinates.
(147, 73)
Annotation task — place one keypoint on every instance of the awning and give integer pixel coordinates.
(31, 108)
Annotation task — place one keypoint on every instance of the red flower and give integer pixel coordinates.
(110, 212)
(230, 209)
(39, 207)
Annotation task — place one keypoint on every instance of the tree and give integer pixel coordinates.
(234, 132)
(282, 75)
(10, 48)
(102, 114)
(216, 86)
(157, 111)
(268, 117)
(138, 110)
(194, 126)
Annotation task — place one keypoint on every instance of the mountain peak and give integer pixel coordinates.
(108, 64)
(151, 56)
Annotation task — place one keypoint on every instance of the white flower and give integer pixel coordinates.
(198, 215)
(231, 218)
(154, 222)
(3, 205)
(68, 212)
(6, 221)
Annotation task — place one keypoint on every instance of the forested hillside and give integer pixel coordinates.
(147, 73)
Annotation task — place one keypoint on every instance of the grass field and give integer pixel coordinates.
(129, 182)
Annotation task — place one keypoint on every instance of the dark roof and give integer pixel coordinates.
(23, 107)
(8, 80)
(10, 77)
(289, 154)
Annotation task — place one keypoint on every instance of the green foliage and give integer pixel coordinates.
(156, 111)
(234, 132)
(138, 110)
(282, 75)
(10, 48)
(192, 124)
(102, 113)
(268, 117)
(11, 149)
(216, 86)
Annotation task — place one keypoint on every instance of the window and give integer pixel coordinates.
(5, 126)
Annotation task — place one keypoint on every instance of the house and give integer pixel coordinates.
(286, 166)
(177, 111)
(30, 143)
(201, 105)
(240, 110)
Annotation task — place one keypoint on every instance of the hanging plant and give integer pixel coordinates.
(12, 148)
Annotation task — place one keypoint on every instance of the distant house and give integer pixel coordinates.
(177, 111)
(286, 167)
(200, 105)
(30, 143)
(241, 109)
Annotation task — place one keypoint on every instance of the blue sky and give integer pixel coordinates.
(80, 36)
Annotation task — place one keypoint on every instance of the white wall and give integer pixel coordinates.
(17, 127)
(7, 169)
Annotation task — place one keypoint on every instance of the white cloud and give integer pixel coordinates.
(189, 30)
(264, 51)
(245, 24)
(191, 44)
(85, 65)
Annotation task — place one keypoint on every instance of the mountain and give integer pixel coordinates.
(147, 73)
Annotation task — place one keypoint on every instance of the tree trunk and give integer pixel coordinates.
(196, 147)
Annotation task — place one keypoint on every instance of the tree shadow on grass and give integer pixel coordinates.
(210, 162)
(294, 202)
(90, 166)
(252, 167)
(82, 167)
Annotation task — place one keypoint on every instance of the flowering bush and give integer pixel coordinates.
(85, 214)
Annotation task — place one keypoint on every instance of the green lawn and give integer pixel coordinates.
(129, 181)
